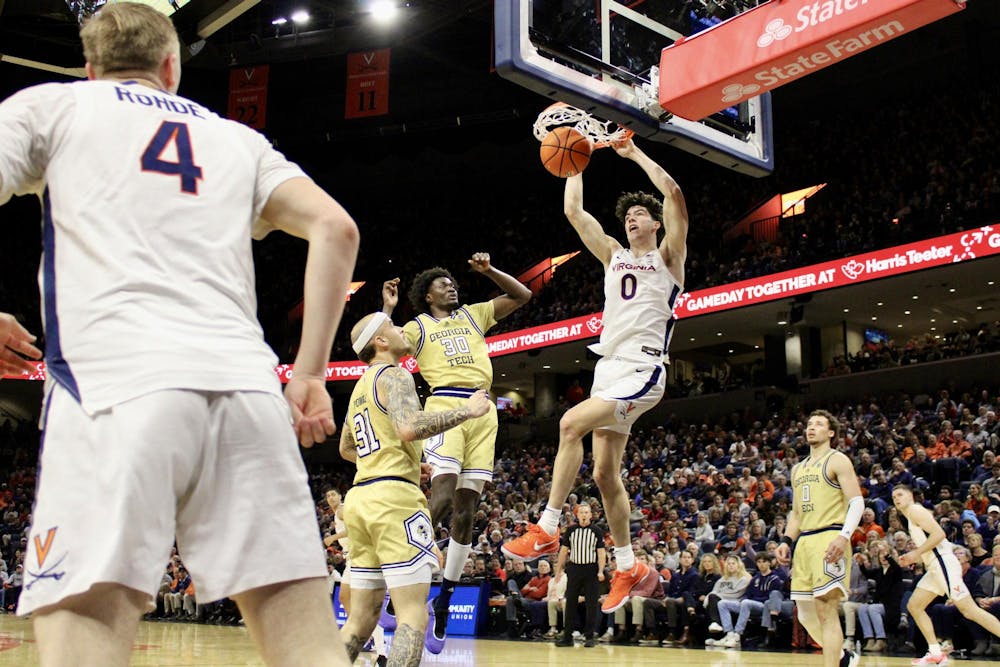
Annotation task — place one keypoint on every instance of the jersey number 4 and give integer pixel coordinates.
(152, 158)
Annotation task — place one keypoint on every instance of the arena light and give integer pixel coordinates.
(383, 11)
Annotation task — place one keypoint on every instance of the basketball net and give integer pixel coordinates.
(601, 133)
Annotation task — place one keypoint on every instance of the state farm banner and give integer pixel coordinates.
(248, 95)
(898, 260)
(982, 242)
(778, 42)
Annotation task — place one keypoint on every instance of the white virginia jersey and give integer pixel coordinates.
(935, 556)
(149, 203)
(639, 298)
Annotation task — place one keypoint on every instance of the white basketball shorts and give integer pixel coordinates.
(634, 386)
(943, 575)
(221, 471)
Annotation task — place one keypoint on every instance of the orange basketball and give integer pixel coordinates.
(565, 152)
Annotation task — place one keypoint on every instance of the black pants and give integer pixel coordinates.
(581, 580)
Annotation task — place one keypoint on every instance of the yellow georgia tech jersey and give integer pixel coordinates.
(819, 502)
(380, 452)
(452, 351)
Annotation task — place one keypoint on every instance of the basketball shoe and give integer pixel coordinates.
(436, 633)
(534, 544)
(622, 584)
(931, 659)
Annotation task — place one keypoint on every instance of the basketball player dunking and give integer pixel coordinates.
(641, 286)
(450, 346)
(942, 576)
(826, 509)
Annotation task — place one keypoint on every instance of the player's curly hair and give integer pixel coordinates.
(629, 199)
(422, 283)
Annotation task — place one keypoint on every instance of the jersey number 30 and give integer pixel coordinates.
(152, 158)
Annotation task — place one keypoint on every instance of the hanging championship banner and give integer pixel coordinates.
(367, 84)
(248, 95)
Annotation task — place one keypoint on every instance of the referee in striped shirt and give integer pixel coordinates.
(583, 557)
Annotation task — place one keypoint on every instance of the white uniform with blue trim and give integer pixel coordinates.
(162, 405)
(149, 201)
(942, 571)
(638, 322)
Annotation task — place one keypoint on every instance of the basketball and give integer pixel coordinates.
(565, 152)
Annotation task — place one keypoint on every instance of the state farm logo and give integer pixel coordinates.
(594, 324)
(774, 31)
(737, 91)
(410, 364)
(853, 269)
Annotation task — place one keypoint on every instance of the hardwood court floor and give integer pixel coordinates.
(183, 644)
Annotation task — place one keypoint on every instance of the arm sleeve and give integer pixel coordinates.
(855, 508)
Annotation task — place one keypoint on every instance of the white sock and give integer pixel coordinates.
(625, 558)
(379, 636)
(457, 555)
(550, 519)
(934, 649)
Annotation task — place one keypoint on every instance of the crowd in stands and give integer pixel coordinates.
(708, 509)
(918, 349)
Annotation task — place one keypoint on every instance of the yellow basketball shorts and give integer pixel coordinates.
(390, 531)
(812, 576)
(466, 450)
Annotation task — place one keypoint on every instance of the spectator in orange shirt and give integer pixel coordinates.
(977, 500)
(936, 448)
(764, 487)
(867, 525)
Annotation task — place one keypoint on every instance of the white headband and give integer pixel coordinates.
(368, 332)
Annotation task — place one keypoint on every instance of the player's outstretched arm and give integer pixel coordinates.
(15, 341)
(673, 247)
(300, 208)
(516, 293)
(390, 296)
(587, 227)
(399, 395)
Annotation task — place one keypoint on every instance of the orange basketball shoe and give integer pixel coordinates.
(622, 584)
(534, 544)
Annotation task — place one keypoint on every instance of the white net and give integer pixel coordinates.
(600, 132)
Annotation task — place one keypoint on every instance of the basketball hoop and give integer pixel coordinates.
(601, 133)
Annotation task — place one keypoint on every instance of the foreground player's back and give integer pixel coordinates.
(149, 203)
